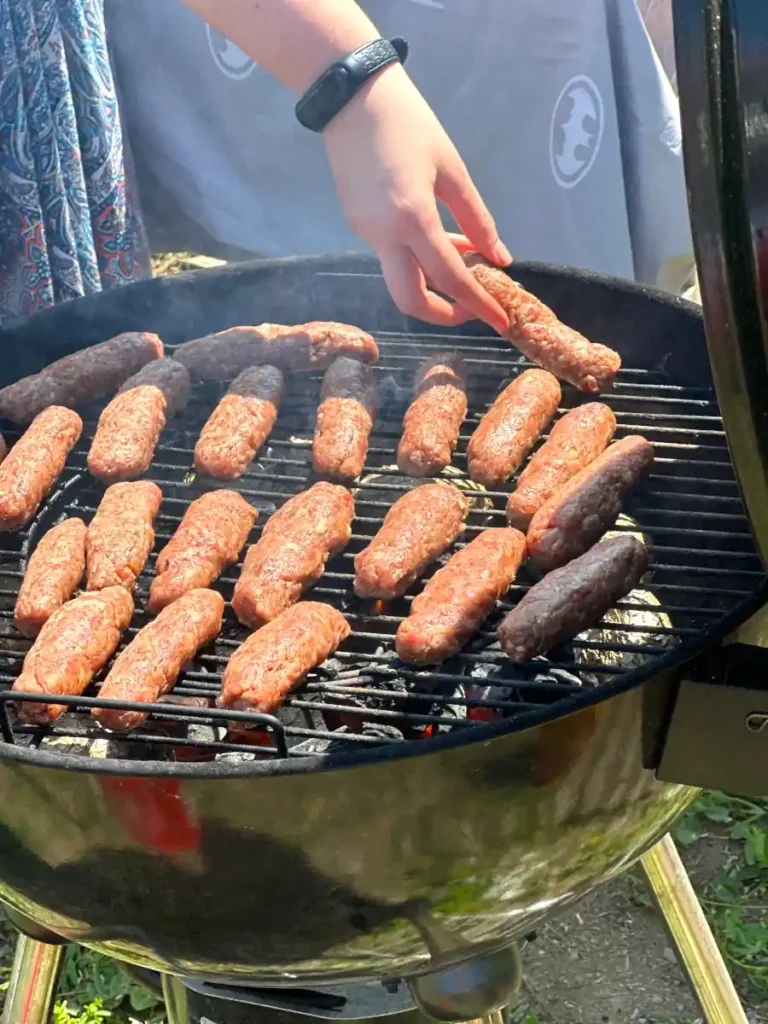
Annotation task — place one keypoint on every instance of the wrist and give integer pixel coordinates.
(344, 80)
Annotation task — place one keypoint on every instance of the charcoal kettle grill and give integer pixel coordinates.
(392, 823)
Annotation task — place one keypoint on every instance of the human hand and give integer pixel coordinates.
(392, 162)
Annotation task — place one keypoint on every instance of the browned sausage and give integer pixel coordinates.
(150, 664)
(580, 513)
(311, 346)
(540, 336)
(418, 528)
(81, 377)
(121, 536)
(344, 420)
(35, 463)
(273, 661)
(211, 536)
(573, 597)
(73, 645)
(576, 440)
(240, 423)
(295, 545)
(130, 426)
(431, 425)
(509, 429)
(454, 603)
(54, 571)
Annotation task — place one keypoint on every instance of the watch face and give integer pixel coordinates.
(335, 87)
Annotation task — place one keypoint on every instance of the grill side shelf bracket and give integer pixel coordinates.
(717, 736)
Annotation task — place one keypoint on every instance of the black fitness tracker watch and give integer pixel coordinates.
(335, 87)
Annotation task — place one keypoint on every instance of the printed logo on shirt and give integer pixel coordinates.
(229, 58)
(576, 131)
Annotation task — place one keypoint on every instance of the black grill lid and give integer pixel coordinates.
(722, 65)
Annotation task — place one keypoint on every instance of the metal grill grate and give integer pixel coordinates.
(704, 565)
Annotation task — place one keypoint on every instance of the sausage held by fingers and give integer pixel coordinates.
(538, 334)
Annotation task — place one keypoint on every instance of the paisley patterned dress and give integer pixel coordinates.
(68, 225)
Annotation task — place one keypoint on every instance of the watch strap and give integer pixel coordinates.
(335, 87)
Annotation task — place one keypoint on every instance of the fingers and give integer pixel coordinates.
(445, 269)
(461, 243)
(408, 288)
(455, 188)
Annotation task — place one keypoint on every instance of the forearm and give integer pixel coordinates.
(295, 40)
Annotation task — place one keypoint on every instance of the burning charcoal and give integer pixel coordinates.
(191, 731)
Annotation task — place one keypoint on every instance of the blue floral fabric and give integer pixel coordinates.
(68, 225)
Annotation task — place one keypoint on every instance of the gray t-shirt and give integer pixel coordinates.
(560, 109)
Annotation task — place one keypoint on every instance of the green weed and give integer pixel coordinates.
(736, 899)
(98, 986)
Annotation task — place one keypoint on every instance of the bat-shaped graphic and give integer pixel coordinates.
(232, 55)
(575, 135)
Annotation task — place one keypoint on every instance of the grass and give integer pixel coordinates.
(735, 897)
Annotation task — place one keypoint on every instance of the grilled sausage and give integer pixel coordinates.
(344, 420)
(130, 426)
(311, 346)
(536, 331)
(509, 429)
(273, 661)
(580, 513)
(54, 572)
(35, 463)
(73, 645)
(150, 664)
(416, 530)
(81, 377)
(432, 423)
(573, 597)
(211, 536)
(454, 603)
(295, 545)
(576, 440)
(240, 423)
(121, 536)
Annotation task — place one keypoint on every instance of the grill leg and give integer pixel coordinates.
(176, 999)
(696, 947)
(32, 987)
